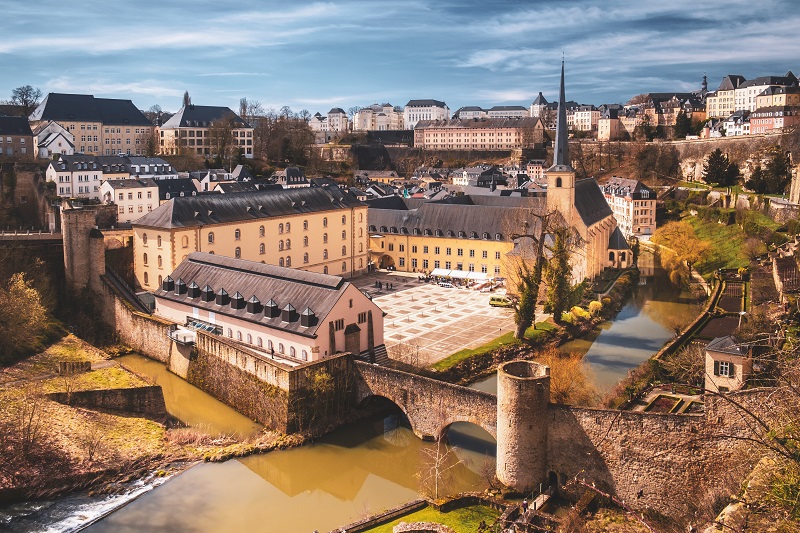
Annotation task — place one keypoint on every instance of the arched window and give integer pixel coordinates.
(280, 245)
(259, 342)
(325, 253)
(305, 258)
(292, 351)
(288, 227)
(261, 231)
(344, 235)
(344, 266)
(237, 253)
(288, 244)
(280, 347)
(305, 241)
(159, 262)
(288, 262)
(239, 336)
(144, 259)
(361, 232)
(325, 270)
(558, 182)
(144, 239)
(325, 222)
(361, 247)
(361, 262)
(304, 355)
(261, 248)
(305, 225)
(344, 219)
(344, 250)
(147, 282)
(158, 241)
(237, 234)
(280, 228)
(160, 280)
(611, 256)
(230, 333)
(270, 346)
(280, 261)
(360, 217)
(324, 237)
(249, 339)
(210, 237)
(185, 241)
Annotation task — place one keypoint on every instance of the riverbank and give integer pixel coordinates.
(49, 448)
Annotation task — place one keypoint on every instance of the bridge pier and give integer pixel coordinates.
(523, 394)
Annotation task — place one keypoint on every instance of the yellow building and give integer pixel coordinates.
(722, 103)
(100, 126)
(316, 229)
(480, 134)
(191, 130)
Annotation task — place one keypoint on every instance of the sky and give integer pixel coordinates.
(343, 53)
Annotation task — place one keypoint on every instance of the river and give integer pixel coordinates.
(351, 473)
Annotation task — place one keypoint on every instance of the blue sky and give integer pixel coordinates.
(318, 55)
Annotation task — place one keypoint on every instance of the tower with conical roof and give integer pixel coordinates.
(561, 175)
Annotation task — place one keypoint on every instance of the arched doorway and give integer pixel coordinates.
(385, 261)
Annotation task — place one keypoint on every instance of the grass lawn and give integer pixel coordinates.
(726, 245)
(464, 520)
(532, 334)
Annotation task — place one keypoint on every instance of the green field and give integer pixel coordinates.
(464, 520)
(726, 245)
(531, 335)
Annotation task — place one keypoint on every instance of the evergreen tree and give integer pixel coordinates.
(777, 172)
(756, 183)
(718, 169)
(683, 126)
(558, 274)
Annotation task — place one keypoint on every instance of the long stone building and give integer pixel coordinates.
(479, 134)
(316, 229)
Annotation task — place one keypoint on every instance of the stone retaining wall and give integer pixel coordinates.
(148, 400)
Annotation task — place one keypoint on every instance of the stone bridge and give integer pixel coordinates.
(430, 405)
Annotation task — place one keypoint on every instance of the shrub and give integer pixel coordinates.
(580, 313)
(568, 318)
(595, 307)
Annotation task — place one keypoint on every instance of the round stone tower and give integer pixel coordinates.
(523, 393)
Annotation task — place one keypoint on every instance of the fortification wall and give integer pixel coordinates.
(147, 400)
(147, 334)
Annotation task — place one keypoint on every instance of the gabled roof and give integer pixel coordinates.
(174, 188)
(627, 187)
(87, 108)
(75, 163)
(202, 210)
(285, 286)
(15, 126)
(728, 345)
(731, 82)
(540, 100)
(201, 116)
(590, 202)
(616, 241)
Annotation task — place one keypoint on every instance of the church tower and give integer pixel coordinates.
(561, 176)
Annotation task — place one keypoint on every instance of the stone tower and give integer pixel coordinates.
(561, 176)
(523, 394)
(84, 251)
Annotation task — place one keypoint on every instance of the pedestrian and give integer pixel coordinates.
(524, 506)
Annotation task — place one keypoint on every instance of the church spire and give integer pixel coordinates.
(561, 148)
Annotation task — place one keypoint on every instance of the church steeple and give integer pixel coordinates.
(561, 147)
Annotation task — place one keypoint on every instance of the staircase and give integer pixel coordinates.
(124, 291)
(381, 356)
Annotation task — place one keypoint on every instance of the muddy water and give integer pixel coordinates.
(189, 404)
(646, 322)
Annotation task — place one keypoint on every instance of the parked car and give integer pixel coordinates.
(501, 301)
(445, 284)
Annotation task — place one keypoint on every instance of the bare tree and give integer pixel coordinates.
(436, 472)
(26, 96)
(687, 365)
(28, 417)
(222, 141)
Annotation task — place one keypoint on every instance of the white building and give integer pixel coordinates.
(76, 176)
(417, 110)
(335, 121)
(289, 314)
(633, 204)
(152, 167)
(585, 118)
(378, 117)
(746, 93)
(507, 111)
(133, 197)
(51, 138)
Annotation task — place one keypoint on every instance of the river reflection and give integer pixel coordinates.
(641, 329)
(355, 471)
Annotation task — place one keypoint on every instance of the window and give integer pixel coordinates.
(414, 249)
(497, 255)
(259, 342)
(402, 247)
(305, 225)
(338, 324)
(144, 259)
(158, 241)
(472, 253)
(280, 246)
(288, 262)
(724, 368)
(344, 219)
(497, 270)
(362, 317)
(280, 228)
(288, 227)
(144, 239)
(261, 231)
(402, 261)
(344, 235)
(448, 251)
(344, 250)
(288, 244)
(146, 281)
(305, 258)
(425, 250)
(159, 262)
(304, 355)
(237, 234)
(436, 264)
(414, 264)
(448, 265)
(237, 253)
(324, 237)
(280, 261)
(210, 237)
(460, 252)
(425, 264)
(391, 247)
(280, 347)
(184, 239)
(261, 248)
(325, 222)
(292, 352)
(270, 346)
(344, 266)
(325, 269)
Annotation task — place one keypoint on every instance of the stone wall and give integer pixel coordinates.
(430, 405)
(147, 400)
(147, 334)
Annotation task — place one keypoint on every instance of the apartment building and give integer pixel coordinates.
(192, 130)
(483, 134)
(378, 117)
(633, 204)
(746, 94)
(133, 197)
(100, 126)
(722, 102)
(76, 176)
(16, 138)
(417, 110)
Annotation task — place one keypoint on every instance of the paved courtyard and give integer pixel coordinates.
(425, 323)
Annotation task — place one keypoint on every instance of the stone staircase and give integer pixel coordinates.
(381, 356)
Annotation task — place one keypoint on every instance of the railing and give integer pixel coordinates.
(29, 234)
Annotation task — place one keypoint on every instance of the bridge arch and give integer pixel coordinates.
(364, 400)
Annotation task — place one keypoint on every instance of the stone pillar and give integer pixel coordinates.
(523, 393)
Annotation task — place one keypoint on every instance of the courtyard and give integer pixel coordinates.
(425, 323)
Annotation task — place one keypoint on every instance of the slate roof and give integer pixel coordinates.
(228, 187)
(15, 126)
(202, 210)
(174, 188)
(141, 183)
(616, 241)
(87, 108)
(726, 345)
(337, 110)
(627, 187)
(75, 163)
(425, 103)
(770, 80)
(300, 289)
(540, 100)
(201, 116)
(590, 203)
(731, 82)
(508, 108)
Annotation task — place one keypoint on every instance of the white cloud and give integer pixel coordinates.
(112, 89)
